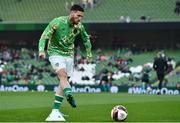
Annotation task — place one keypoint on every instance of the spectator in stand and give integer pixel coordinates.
(84, 3)
(90, 4)
(145, 18)
(124, 19)
(177, 8)
(160, 66)
(106, 80)
(1, 70)
(146, 76)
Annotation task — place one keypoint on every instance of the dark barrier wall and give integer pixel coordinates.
(104, 35)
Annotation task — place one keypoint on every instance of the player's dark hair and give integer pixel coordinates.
(77, 7)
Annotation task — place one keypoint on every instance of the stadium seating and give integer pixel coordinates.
(42, 11)
(33, 71)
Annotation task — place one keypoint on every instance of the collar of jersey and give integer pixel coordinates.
(69, 22)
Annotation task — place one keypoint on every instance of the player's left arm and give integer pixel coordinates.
(86, 41)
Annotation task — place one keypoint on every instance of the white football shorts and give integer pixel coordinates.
(62, 62)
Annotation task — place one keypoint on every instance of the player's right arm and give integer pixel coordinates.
(87, 42)
(46, 36)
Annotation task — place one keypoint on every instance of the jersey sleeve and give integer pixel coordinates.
(47, 34)
(86, 41)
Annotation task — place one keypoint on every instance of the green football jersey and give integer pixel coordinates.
(60, 34)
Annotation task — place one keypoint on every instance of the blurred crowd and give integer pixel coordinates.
(22, 66)
(14, 68)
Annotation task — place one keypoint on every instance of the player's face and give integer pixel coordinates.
(76, 16)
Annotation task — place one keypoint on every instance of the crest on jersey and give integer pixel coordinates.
(57, 64)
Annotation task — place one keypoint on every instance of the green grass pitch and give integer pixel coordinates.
(92, 107)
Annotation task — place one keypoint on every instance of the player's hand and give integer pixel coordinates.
(42, 55)
(89, 57)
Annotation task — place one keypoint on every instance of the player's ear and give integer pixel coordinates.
(71, 12)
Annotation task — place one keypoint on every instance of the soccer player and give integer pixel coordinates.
(59, 36)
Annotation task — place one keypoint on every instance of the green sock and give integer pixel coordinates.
(67, 91)
(57, 101)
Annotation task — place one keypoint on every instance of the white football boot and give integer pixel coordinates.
(55, 115)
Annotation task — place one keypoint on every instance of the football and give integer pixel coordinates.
(119, 113)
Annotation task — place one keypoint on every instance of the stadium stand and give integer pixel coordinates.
(21, 66)
(31, 11)
(123, 67)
